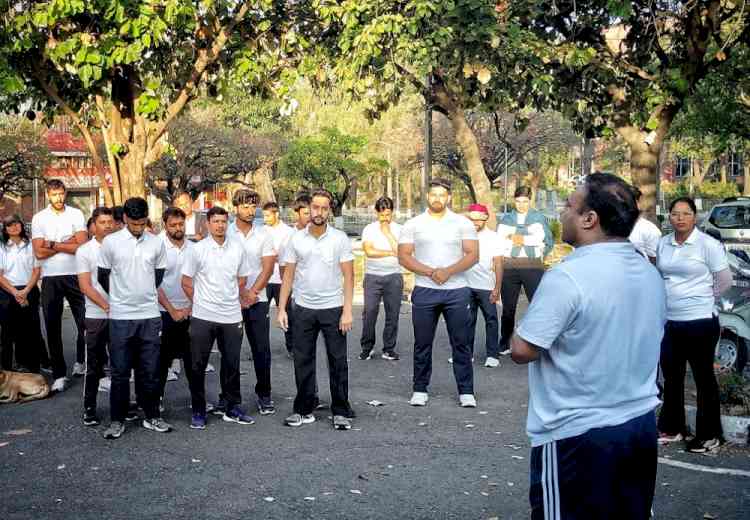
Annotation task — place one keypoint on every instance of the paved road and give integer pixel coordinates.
(399, 462)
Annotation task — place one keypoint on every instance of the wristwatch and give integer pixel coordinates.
(52, 244)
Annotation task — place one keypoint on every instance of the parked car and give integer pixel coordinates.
(729, 222)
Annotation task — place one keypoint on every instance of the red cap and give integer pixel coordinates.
(479, 208)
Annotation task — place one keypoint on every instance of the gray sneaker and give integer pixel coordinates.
(265, 406)
(295, 420)
(157, 424)
(341, 423)
(115, 430)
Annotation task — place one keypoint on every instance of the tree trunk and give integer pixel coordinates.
(467, 142)
(746, 179)
(261, 178)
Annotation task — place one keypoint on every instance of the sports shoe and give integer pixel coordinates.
(115, 430)
(198, 422)
(467, 401)
(419, 399)
(176, 366)
(171, 375)
(265, 406)
(698, 446)
(295, 420)
(341, 423)
(665, 438)
(105, 384)
(505, 352)
(238, 415)
(60, 385)
(217, 409)
(210, 368)
(390, 356)
(491, 362)
(79, 369)
(450, 360)
(90, 418)
(157, 424)
(132, 415)
(365, 355)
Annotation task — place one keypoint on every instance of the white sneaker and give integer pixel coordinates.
(467, 401)
(105, 384)
(176, 367)
(59, 385)
(79, 369)
(171, 375)
(210, 368)
(505, 352)
(419, 399)
(492, 362)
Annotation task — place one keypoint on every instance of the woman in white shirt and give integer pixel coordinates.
(695, 271)
(19, 274)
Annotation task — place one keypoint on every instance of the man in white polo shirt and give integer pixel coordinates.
(97, 311)
(383, 281)
(485, 280)
(592, 337)
(439, 246)
(56, 233)
(131, 268)
(261, 258)
(320, 265)
(280, 234)
(174, 305)
(214, 277)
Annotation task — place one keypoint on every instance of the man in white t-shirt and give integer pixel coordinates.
(132, 262)
(214, 277)
(439, 246)
(261, 257)
(320, 266)
(485, 279)
(280, 234)
(56, 233)
(645, 235)
(383, 280)
(195, 223)
(97, 311)
(592, 338)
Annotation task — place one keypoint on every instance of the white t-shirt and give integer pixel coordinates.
(172, 282)
(388, 264)
(58, 227)
(257, 243)
(279, 235)
(17, 262)
(688, 271)
(598, 318)
(482, 274)
(438, 242)
(215, 269)
(132, 282)
(645, 237)
(87, 260)
(318, 278)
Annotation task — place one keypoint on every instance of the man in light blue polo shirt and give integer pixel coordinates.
(592, 337)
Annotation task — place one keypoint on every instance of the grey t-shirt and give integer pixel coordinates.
(598, 318)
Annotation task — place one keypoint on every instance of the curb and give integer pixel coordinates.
(735, 426)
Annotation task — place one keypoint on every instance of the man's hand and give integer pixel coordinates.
(440, 276)
(345, 324)
(494, 296)
(517, 240)
(248, 298)
(282, 319)
(179, 314)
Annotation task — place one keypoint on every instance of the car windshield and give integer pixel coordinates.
(731, 217)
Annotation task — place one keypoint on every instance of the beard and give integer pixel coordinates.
(318, 221)
(177, 235)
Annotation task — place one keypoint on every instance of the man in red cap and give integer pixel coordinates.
(484, 280)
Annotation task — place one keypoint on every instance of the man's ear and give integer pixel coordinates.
(590, 219)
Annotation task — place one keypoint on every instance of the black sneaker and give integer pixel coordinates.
(115, 430)
(90, 418)
(364, 355)
(265, 406)
(390, 356)
(699, 446)
(219, 408)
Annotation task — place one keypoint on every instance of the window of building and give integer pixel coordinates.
(682, 167)
(735, 165)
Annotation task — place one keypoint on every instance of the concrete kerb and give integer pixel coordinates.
(736, 428)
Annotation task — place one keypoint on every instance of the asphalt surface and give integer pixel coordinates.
(440, 461)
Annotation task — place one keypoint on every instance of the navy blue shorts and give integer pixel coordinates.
(605, 473)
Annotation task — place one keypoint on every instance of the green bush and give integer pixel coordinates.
(734, 391)
(556, 228)
(707, 189)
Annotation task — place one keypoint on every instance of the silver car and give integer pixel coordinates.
(729, 222)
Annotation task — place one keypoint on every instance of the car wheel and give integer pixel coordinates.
(731, 353)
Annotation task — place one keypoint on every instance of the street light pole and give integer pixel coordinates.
(427, 167)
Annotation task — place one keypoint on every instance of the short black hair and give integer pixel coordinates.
(216, 210)
(522, 191)
(271, 206)
(687, 200)
(383, 203)
(98, 212)
(55, 184)
(117, 213)
(302, 201)
(136, 208)
(612, 199)
(322, 192)
(89, 222)
(245, 196)
(440, 182)
(172, 212)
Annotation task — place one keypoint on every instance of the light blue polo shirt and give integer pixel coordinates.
(598, 318)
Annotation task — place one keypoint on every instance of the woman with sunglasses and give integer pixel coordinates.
(19, 274)
(695, 271)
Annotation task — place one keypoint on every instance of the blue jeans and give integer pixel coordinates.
(426, 307)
